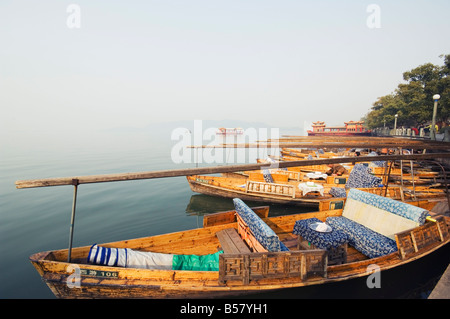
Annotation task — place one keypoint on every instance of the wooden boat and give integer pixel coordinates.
(245, 266)
(230, 131)
(280, 192)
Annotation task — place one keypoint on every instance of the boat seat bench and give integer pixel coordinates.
(268, 257)
(254, 231)
(231, 242)
(371, 222)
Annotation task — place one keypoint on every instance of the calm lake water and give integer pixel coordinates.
(34, 220)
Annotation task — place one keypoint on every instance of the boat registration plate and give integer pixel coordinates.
(202, 180)
(99, 273)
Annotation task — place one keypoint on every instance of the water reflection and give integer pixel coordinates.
(200, 204)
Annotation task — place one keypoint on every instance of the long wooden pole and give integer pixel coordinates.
(215, 169)
(329, 145)
(338, 142)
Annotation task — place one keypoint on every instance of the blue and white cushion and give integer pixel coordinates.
(402, 209)
(262, 232)
(365, 240)
(332, 239)
(338, 192)
(267, 176)
(360, 177)
(376, 163)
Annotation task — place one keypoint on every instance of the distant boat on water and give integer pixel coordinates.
(351, 128)
(230, 131)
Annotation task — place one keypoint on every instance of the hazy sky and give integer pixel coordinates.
(131, 63)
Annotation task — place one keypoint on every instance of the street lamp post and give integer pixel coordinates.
(436, 97)
(395, 124)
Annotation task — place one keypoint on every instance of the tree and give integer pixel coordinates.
(413, 100)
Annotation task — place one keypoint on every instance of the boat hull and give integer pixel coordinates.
(88, 287)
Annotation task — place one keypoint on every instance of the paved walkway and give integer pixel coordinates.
(442, 289)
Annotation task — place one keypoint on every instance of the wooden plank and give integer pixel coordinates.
(219, 218)
(227, 245)
(396, 139)
(211, 170)
(237, 241)
(228, 217)
(330, 142)
(247, 235)
(231, 242)
(259, 177)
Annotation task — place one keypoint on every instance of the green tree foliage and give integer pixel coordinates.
(413, 100)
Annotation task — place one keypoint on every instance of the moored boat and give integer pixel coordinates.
(255, 253)
(269, 192)
(230, 131)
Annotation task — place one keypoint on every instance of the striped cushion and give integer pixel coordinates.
(125, 257)
(129, 258)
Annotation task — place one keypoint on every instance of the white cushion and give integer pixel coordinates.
(378, 220)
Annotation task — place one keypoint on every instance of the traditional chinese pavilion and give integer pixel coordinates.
(355, 128)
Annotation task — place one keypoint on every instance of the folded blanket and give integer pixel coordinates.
(125, 257)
